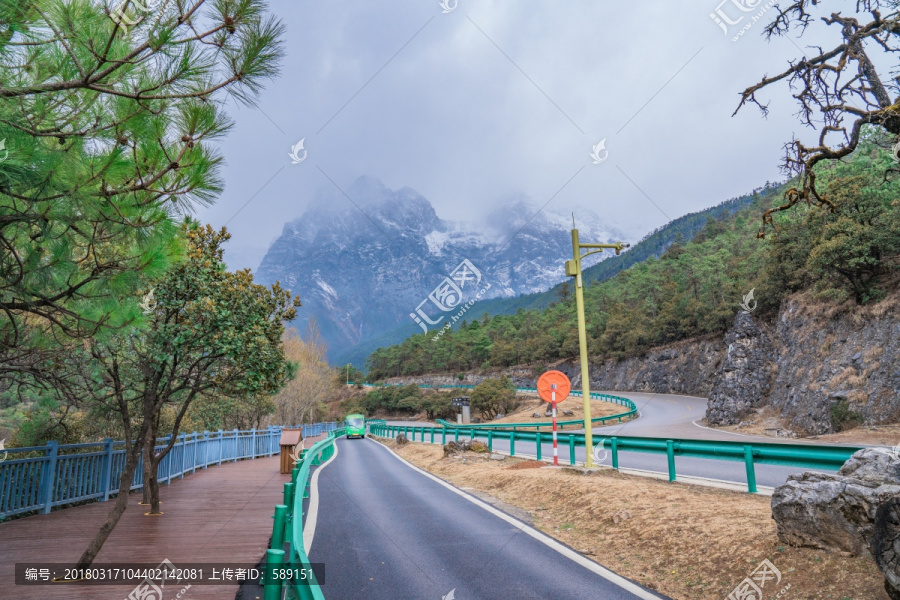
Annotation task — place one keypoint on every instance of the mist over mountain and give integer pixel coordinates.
(363, 270)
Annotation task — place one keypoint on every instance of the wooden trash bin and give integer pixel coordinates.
(291, 445)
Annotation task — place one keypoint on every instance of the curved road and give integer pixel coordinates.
(663, 416)
(386, 529)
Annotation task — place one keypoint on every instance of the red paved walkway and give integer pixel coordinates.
(220, 514)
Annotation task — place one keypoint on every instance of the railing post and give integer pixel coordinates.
(432, 435)
(571, 449)
(472, 434)
(205, 448)
(615, 453)
(106, 467)
(221, 445)
(512, 443)
(48, 477)
(670, 454)
(491, 440)
(235, 445)
(537, 444)
(170, 458)
(751, 470)
(183, 455)
(253, 442)
(443, 436)
(273, 586)
(278, 527)
(456, 434)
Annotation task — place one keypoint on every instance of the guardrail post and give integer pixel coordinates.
(615, 453)
(491, 440)
(235, 445)
(512, 443)
(274, 560)
(456, 434)
(537, 444)
(443, 436)
(472, 434)
(432, 435)
(48, 477)
(751, 470)
(571, 449)
(221, 446)
(278, 527)
(183, 455)
(107, 467)
(670, 455)
(253, 442)
(206, 448)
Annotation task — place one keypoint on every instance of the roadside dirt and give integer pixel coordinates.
(765, 421)
(687, 542)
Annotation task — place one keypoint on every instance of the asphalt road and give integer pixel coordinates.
(661, 416)
(387, 530)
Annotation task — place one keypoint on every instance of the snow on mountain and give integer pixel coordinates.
(363, 271)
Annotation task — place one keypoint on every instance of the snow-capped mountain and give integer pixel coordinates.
(392, 261)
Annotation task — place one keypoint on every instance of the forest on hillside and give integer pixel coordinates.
(696, 286)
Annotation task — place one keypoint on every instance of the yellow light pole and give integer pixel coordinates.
(573, 269)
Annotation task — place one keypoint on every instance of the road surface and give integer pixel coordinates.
(385, 529)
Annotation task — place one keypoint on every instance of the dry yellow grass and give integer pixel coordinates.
(687, 542)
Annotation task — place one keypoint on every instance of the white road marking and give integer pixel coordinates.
(723, 430)
(312, 514)
(541, 537)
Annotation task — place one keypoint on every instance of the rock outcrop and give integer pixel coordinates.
(744, 379)
(856, 511)
(834, 368)
(837, 511)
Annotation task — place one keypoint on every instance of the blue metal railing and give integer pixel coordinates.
(61, 474)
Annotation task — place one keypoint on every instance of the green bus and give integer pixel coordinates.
(355, 425)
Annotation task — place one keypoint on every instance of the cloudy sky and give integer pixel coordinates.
(497, 97)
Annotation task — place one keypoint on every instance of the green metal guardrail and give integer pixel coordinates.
(795, 455)
(631, 412)
(288, 528)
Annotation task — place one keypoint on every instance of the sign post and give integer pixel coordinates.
(553, 387)
(573, 269)
(463, 402)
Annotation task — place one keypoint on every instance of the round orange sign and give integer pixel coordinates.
(553, 381)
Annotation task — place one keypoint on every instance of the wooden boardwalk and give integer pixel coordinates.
(218, 515)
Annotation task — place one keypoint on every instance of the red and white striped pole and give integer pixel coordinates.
(553, 403)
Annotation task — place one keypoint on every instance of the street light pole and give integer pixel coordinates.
(573, 269)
